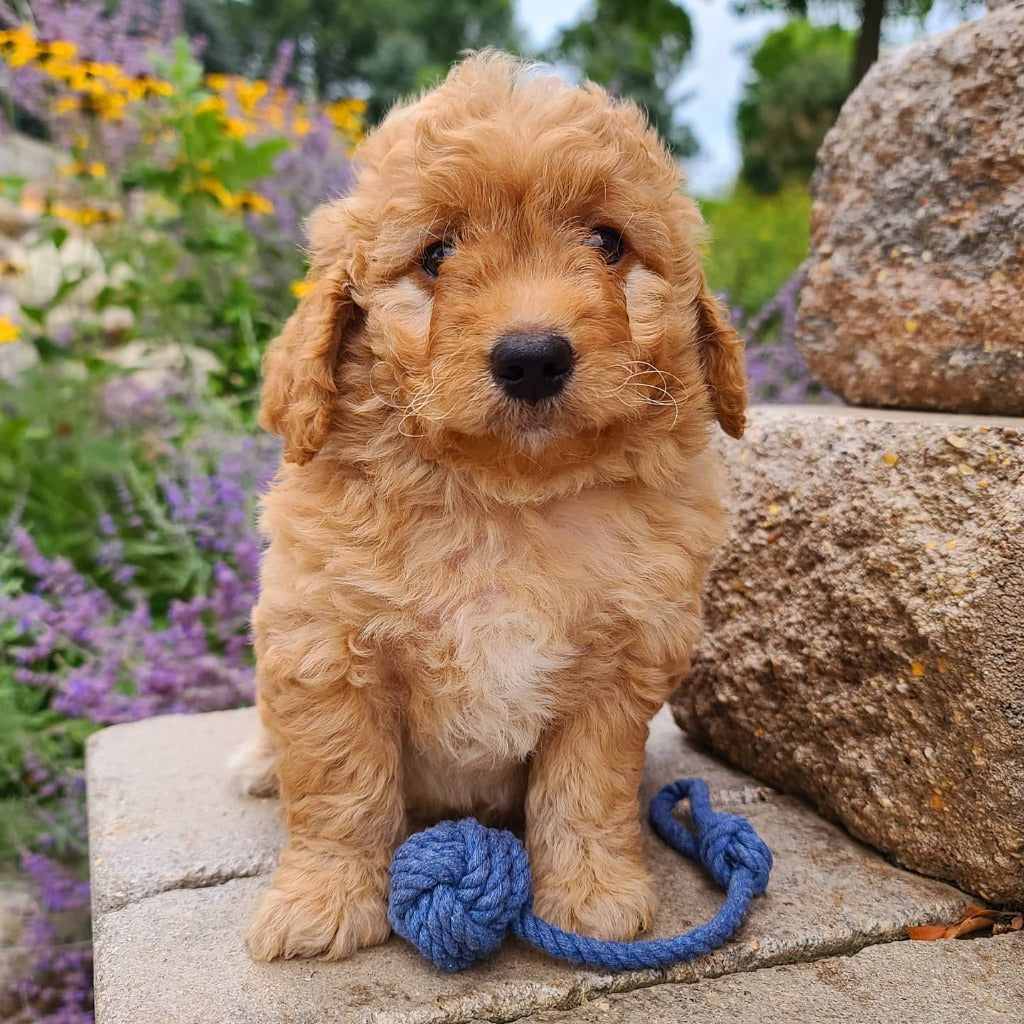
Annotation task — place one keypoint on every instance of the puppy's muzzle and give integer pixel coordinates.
(532, 367)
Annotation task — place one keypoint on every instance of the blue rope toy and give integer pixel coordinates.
(458, 888)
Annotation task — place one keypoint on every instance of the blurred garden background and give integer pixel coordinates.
(157, 158)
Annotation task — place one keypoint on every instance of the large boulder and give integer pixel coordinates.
(914, 291)
(864, 645)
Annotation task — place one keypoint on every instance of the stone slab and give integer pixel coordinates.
(167, 953)
(18, 901)
(147, 835)
(162, 813)
(902, 983)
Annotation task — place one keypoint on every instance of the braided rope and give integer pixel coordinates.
(458, 888)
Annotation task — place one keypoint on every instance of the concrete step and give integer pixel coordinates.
(179, 860)
(949, 982)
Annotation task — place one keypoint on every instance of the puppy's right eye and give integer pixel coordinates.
(434, 255)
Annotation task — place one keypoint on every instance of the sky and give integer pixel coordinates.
(714, 74)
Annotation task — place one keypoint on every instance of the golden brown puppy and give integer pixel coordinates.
(490, 532)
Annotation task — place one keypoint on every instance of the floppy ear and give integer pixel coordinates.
(299, 385)
(722, 357)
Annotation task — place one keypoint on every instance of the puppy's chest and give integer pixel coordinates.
(494, 636)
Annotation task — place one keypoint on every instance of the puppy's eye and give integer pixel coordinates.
(434, 255)
(609, 241)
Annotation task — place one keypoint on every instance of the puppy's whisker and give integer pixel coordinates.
(658, 394)
(417, 408)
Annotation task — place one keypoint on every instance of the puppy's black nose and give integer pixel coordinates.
(531, 367)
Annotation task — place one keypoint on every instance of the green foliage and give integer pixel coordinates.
(174, 244)
(200, 248)
(385, 49)
(757, 242)
(799, 82)
(871, 15)
(34, 740)
(636, 49)
(56, 465)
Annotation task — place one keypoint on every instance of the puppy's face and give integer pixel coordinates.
(521, 272)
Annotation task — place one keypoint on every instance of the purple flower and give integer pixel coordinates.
(776, 370)
(100, 654)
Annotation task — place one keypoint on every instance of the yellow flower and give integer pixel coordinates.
(59, 70)
(300, 288)
(236, 128)
(77, 77)
(249, 94)
(106, 72)
(217, 104)
(9, 330)
(60, 51)
(347, 117)
(18, 46)
(301, 125)
(218, 83)
(108, 106)
(81, 169)
(85, 216)
(274, 115)
(216, 188)
(144, 87)
(63, 49)
(253, 202)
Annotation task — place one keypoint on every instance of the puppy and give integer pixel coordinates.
(489, 534)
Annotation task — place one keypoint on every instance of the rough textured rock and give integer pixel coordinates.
(168, 840)
(902, 983)
(915, 292)
(864, 646)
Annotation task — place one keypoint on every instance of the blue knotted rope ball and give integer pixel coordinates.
(729, 843)
(458, 888)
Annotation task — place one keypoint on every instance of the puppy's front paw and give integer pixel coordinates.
(617, 907)
(316, 914)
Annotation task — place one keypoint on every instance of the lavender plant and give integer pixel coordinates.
(153, 619)
(776, 370)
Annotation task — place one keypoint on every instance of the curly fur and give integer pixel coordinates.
(469, 604)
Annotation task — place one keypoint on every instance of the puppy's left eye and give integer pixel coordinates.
(434, 255)
(609, 241)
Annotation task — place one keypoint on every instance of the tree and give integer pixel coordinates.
(383, 49)
(634, 48)
(799, 81)
(871, 15)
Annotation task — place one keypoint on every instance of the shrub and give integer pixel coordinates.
(800, 78)
(181, 201)
(757, 243)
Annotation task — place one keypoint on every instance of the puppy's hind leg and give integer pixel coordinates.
(252, 768)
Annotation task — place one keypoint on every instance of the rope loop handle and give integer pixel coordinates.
(458, 888)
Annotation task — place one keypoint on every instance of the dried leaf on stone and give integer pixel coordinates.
(974, 919)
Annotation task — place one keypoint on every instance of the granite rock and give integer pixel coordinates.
(915, 288)
(864, 647)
